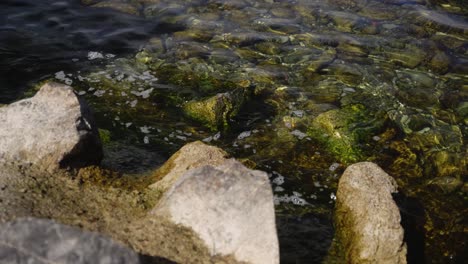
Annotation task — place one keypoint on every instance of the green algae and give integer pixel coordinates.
(215, 112)
(105, 136)
(343, 131)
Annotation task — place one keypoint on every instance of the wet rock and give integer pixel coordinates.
(446, 184)
(410, 57)
(54, 129)
(223, 56)
(462, 109)
(230, 207)
(367, 217)
(349, 74)
(406, 161)
(193, 35)
(341, 130)
(429, 139)
(446, 163)
(346, 21)
(190, 156)
(129, 8)
(326, 91)
(33, 240)
(440, 63)
(322, 60)
(186, 50)
(353, 48)
(439, 20)
(284, 11)
(215, 112)
(269, 48)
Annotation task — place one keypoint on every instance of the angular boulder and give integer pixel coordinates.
(230, 207)
(367, 218)
(33, 240)
(190, 156)
(54, 129)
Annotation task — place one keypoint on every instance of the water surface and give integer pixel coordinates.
(310, 86)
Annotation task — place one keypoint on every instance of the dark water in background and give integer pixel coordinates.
(40, 38)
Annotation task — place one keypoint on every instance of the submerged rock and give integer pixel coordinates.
(367, 217)
(446, 184)
(33, 240)
(54, 129)
(215, 112)
(342, 130)
(230, 207)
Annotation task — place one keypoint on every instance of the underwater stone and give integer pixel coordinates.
(33, 240)
(446, 184)
(322, 61)
(215, 112)
(367, 218)
(345, 21)
(128, 8)
(406, 162)
(54, 129)
(230, 207)
(410, 56)
(440, 62)
(326, 91)
(335, 130)
(446, 163)
(447, 137)
(269, 48)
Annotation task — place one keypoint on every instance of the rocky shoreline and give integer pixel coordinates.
(199, 207)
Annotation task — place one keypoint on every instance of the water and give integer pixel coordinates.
(39, 38)
(304, 89)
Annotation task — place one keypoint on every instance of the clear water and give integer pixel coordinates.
(325, 84)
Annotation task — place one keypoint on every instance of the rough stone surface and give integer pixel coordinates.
(53, 129)
(367, 218)
(32, 240)
(190, 156)
(230, 207)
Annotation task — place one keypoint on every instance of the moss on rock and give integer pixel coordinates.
(215, 112)
(343, 130)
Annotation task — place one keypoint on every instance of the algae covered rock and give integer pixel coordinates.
(342, 130)
(230, 207)
(215, 112)
(33, 240)
(367, 218)
(53, 129)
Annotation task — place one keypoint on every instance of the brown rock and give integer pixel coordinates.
(367, 218)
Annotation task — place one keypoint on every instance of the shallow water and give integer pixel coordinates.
(310, 86)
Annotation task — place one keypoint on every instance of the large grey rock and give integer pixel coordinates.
(367, 218)
(32, 240)
(53, 129)
(230, 207)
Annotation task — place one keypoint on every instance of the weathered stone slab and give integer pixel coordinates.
(367, 217)
(32, 240)
(230, 207)
(53, 129)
